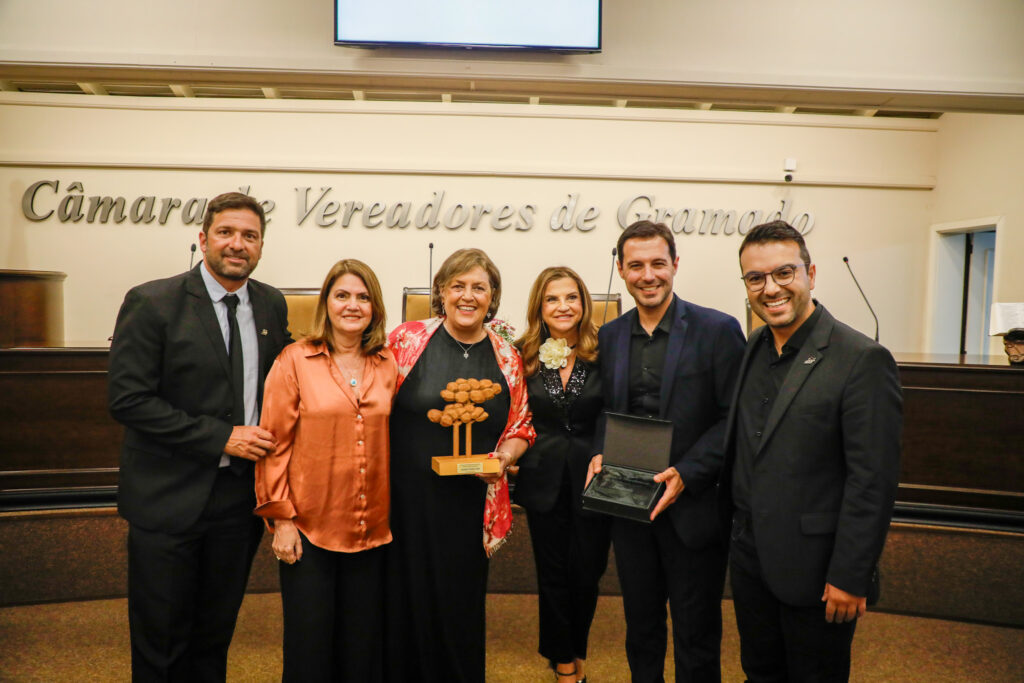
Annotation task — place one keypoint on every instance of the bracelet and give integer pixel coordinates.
(510, 462)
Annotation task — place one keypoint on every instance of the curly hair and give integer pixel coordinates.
(462, 261)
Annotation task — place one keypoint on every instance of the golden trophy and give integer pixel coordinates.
(463, 395)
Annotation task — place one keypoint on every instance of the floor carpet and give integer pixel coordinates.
(88, 641)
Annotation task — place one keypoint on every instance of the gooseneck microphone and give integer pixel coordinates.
(608, 297)
(192, 257)
(430, 266)
(863, 295)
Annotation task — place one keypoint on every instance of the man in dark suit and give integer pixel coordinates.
(812, 465)
(673, 360)
(187, 364)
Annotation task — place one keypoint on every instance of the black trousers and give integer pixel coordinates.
(184, 589)
(780, 642)
(333, 615)
(654, 568)
(570, 549)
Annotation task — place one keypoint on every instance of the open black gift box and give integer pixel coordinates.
(635, 449)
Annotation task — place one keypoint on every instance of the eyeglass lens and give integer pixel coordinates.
(783, 275)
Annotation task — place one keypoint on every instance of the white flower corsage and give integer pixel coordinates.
(554, 353)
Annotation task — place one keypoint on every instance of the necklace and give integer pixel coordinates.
(351, 376)
(465, 349)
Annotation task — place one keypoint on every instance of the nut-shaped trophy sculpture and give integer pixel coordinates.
(463, 395)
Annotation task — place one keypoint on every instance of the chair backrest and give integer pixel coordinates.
(416, 303)
(753, 319)
(607, 307)
(301, 309)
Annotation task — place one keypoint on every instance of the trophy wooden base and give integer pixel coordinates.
(448, 465)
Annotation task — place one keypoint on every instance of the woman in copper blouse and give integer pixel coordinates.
(324, 491)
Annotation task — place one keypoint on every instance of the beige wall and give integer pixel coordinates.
(867, 183)
(979, 181)
(980, 173)
(946, 46)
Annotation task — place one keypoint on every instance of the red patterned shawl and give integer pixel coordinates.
(407, 342)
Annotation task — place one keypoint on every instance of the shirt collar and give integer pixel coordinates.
(664, 325)
(797, 339)
(318, 348)
(216, 290)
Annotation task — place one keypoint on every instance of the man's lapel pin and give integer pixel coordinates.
(810, 360)
(263, 332)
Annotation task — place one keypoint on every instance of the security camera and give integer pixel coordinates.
(789, 168)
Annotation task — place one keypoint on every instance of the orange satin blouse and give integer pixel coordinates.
(329, 473)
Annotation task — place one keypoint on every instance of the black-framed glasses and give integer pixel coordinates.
(782, 276)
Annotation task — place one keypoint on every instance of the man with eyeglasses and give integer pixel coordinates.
(812, 464)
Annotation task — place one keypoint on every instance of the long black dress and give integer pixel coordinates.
(570, 546)
(436, 579)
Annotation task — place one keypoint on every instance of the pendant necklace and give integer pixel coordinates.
(465, 349)
(351, 377)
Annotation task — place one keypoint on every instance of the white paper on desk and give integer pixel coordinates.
(1005, 317)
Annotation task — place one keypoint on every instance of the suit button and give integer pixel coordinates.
(757, 434)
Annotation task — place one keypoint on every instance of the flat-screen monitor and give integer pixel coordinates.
(561, 25)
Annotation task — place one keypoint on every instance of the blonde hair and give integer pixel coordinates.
(375, 335)
(463, 261)
(536, 330)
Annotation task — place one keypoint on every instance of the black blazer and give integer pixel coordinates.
(701, 365)
(826, 470)
(170, 386)
(564, 438)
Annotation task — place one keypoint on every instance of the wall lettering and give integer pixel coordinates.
(43, 199)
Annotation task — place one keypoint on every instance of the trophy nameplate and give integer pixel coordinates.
(463, 396)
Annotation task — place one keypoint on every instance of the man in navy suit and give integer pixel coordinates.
(187, 365)
(673, 360)
(813, 461)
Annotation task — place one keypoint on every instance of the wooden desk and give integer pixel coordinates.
(57, 433)
(962, 440)
(963, 434)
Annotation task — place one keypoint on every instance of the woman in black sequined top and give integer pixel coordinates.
(570, 546)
